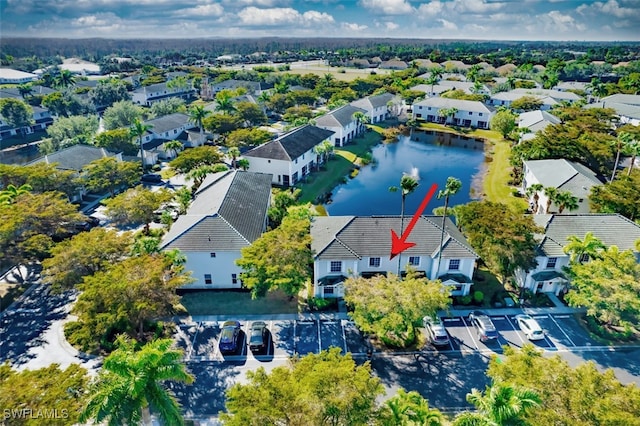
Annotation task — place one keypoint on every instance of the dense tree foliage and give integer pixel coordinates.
(391, 307)
(67, 131)
(608, 287)
(279, 259)
(317, 389)
(580, 395)
(121, 114)
(41, 177)
(620, 196)
(136, 206)
(117, 140)
(108, 92)
(48, 395)
(130, 297)
(408, 408)
(16, 113)
(281, 200)
(503, 122)
(109, 174)
(193, 158)
(133, 381)
(503, 238)
(247, 137)
(83, 255)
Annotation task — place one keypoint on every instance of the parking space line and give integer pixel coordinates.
(270, 339)
(561, 329)
(515, 329)
(193, 343)
(344, 336)
(319, 338)
(470, 334)
(295, 339)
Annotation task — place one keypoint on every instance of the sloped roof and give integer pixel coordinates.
(75, 157)
(459, 104)
(537, 120)
(622, 99)
(355, 237)
(339, 117)
(611, 229)
(228, 213)
(291, 145)
(168, 122)
(564, 175)
(555, 94)
(375, 101)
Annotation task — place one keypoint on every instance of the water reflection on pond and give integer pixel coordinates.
(434, 156)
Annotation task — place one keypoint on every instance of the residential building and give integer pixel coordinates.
(627, 107)
(467, 113)
(345, 246)
(176, 126)
(393, 64)
(228, 213)
(563, 175)
(148, 95)
(291, 156)
(375, 106)
(449, 85)
(556, 95)
(210, 89)
(11, 76)
(41, 119)
(534, 122)
(342, 123)
(507, 98)
(549, 276)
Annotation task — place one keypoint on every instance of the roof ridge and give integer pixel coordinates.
(335, 237)
(233, 228)
(465, 246)
(201, 218)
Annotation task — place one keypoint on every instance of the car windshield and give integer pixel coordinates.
(227, 334)
(491, 333)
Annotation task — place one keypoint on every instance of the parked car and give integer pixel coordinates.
(483, 325)
(229, 337)
(259, 337)
(530, 327)
(436, 332)
(151, 178)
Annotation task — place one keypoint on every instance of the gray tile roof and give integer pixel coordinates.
(228, 213)
(339, 117)
(621, 98)
(536, 120)
(611, 229)
(75, 157)
(375, 101)
(169, 122)
(626, 110)
(564, 175)
(354, 237)
(291, 145)
(555, 94)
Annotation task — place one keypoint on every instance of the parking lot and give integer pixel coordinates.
(288, 337)
(562, 332)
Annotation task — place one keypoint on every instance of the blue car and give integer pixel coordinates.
(229, 337)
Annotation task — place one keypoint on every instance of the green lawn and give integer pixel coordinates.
(215, 302)
(336, 169)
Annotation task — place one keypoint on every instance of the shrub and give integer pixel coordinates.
(320, 304)
(465, 300)
(354, 173)
(478, 296)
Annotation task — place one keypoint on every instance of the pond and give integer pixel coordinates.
(432, 156)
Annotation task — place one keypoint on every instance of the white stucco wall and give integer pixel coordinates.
(220, 268)
(279, 168)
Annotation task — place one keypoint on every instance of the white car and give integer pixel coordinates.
(530, 327)
(436, 331)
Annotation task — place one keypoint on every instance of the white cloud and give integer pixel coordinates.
(388, 7)
(96, 21)
(432, 8)
(448, 25)
(352, 26)
(282, 16)
(391, 26)
(554, 21)
(202, 11)
(611, 7)
(476, 6)
(261, 3)
(315, 17)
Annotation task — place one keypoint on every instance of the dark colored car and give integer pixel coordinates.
(229, 337)
(259, 337)
(151, 178)
(484, 326)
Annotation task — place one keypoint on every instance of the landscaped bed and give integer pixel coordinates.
(208, 302)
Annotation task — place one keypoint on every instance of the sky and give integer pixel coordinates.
(580, 20)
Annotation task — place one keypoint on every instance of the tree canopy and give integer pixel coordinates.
(109, 174)
(391, 307)
(503, 238)
(136, 205)
(280, 258)
(620, 196)
(193, 158)
(323, 388)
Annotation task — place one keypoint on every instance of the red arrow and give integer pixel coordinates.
(400, 244)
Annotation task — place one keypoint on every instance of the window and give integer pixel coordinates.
(303, 156)
(470, 113)
(551, 262)
(454, 264)
(374, 262)
(207, 279)
(336, 266)
(480, 114)
(584, 257)
(212, 254)
(328, 290)
(414, 260)
(234, 278)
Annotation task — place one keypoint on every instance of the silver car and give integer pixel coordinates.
(530, 327)
(435, 331)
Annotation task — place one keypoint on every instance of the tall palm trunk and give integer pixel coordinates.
(444, 218)
(401, 231)
(615, 166)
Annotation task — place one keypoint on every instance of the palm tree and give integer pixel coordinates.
(408, 184)
(199, 174)
(511, 82)
(597, 88)
(183, 197)
(11, 192)
(234, 153)
(243, 163)
(25, 90)
(132, 382)
(503, 404)
(534, 190)
(623, 140)
(633, 149)
(432, 80)
(566, 200)
(224, 103)
(172, 146)
(138, 130)
(468, 418)
(64, 79)
(579, 250)
(281, 87)
(410, 408)
(551, 193)
(197, 114)
(361, 119)
(452, 187)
